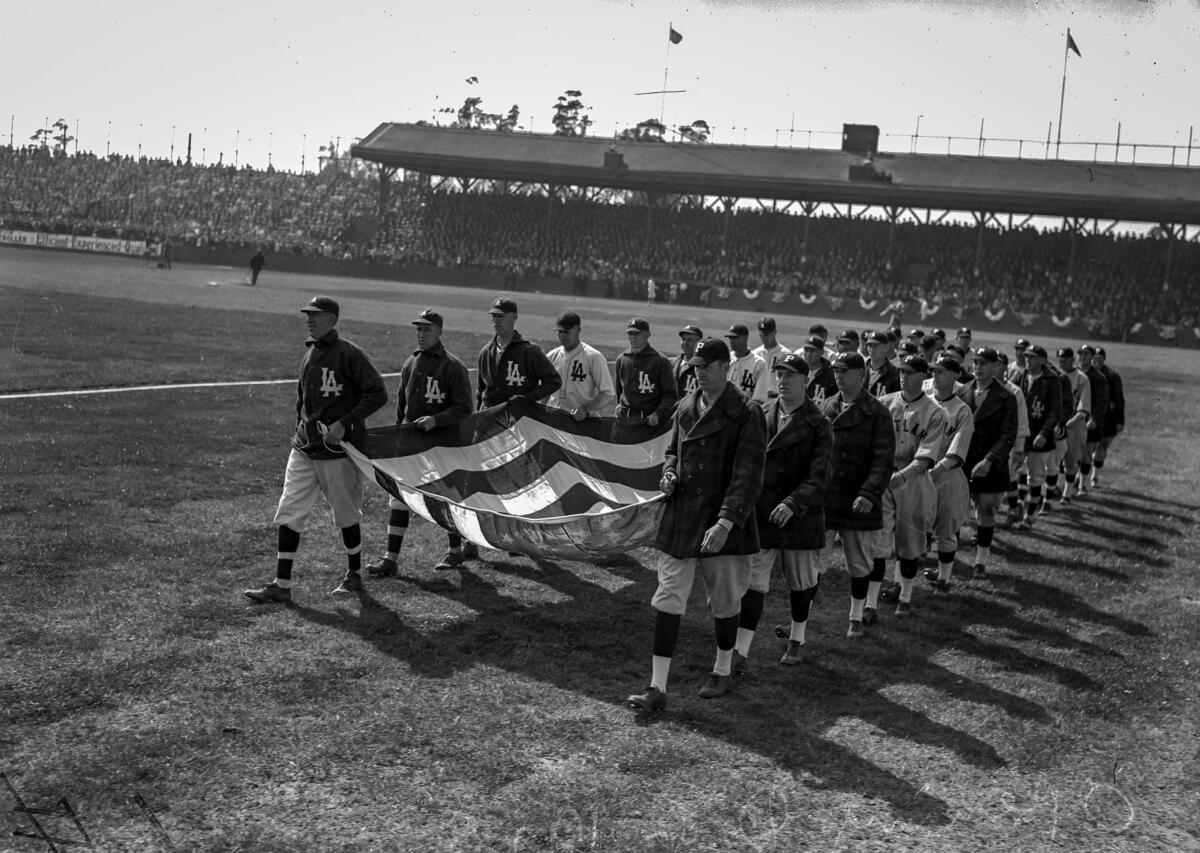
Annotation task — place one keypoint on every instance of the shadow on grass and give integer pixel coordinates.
(597, 643)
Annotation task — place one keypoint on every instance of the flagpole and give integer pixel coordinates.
(662, 109)
(1063, 96)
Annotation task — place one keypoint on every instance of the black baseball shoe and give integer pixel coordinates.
(385, 568)
(717, 685)
(870, 616)
(272, 593)
(351, 585)
(740, 665)
(450, 560)
(652, 699)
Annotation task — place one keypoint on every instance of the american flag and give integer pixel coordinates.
(521, 477)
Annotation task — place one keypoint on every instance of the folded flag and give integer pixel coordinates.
(674, 36)
(521, 477)
(1072, 46)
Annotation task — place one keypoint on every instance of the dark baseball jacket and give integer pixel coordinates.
(1043, 396)
(635, 401)
(520, 369)
(821, 384)
(337, 383)
(886, 380)
(433, 382)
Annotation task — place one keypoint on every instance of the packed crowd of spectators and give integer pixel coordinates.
(1117, 278)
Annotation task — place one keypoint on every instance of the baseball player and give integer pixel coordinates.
(1016, 370)
(712, 474)
(685, 374)
(883, 377)
(910, 502)
(1114, 421)
(1074, 429)
(646, 386)
(434, 393)
(510, 366)
(771, 352)
(587, 387)
(746, 370)
(994, 421)
(1016, 460)
(1095, 425)
(790, 511)
(339, 389)
(821, 381)
(847, 341)
(864, 444)
(1054, 461)
(948, 475)
(1043, 396)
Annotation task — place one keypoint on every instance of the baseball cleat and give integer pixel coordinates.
(793, 654)
(903, 609)
(652, 699)
(941, 587)
(717, 685)
(782, 632)
(470, 551)
(870, 616)
(740, 665)
(351, 585)
(855, 631)
(979, 572)
(385, 568)
(450, 560)
(269, 594)
(931, 574)
(891, 592)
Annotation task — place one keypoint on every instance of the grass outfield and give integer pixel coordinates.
(1053, 707)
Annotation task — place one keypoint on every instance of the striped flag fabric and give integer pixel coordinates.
(525, 478)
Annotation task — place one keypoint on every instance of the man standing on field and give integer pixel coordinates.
(339, 389)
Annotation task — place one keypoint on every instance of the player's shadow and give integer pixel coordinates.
(1015, 550)
(1161, 506)
(596, 642)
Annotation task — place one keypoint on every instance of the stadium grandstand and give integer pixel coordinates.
(1103, 249)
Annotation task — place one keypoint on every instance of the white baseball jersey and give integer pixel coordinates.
(772, 357)
(586, 381)
(749, 374)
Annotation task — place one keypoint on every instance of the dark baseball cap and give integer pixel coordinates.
(819, 330)
(909, 347)
(848, 335)
(691, 330)
(737, 330)
(1037, 351)
(640, 324)
(913, 364)
(947, 360)
(956, 351)
(708, 351)
(847, 361)
(1022, 344)
(766, 324)
(321, 303)
(964, 332)
(503, 305)
(939, 333)
(876, 338)
(815, 342)
(1067, 352)
(916, 333)
(1088, 348)
(794, 362)
(986, 354)
(893, 335)
(428, 317)
(1100, 351)
(567, 320)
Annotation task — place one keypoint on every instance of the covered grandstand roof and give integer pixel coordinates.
(1167, 194)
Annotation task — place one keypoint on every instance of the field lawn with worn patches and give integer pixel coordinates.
(1051, 707)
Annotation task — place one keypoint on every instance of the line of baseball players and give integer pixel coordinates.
(879, 446)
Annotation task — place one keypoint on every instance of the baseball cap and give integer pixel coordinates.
(766, 324)
(1100, 352)
(503, 305)
(916, 333)
(964, 332)
(947, 360)
(641, 324)
(321, 303)
(1088, 348)
(815, 342)
(848, 335)
(708, 351)
(737, 330)
(794, 362)
(909, 347)
(1067, 352)
(847, 361)
(567, 320)
(1037, 351)
(893, 335)
(1022, 344)
(691, 330)
(876, 338)
(939, 333)
(819, 330)
(914, 364)
(986, 354)
(428, 317)
(956, 351)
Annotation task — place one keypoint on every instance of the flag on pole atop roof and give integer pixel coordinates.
(674, 35)
(521, 477)
(1072, 46)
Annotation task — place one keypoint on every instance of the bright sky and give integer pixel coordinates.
(279, 71)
